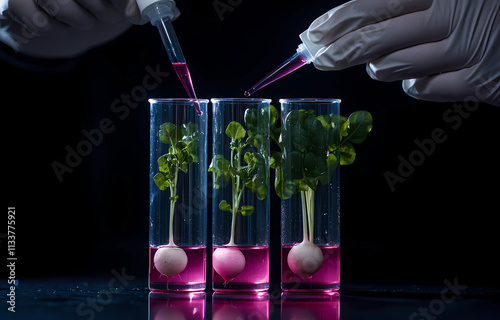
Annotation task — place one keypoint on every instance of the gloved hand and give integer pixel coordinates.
(443, 50)
(66, 28)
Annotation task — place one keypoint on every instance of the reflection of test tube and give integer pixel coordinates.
(240, 306)
(160, 13)
(304, 55)
(311, 306)
(173, 306)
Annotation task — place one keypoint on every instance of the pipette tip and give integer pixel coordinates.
(247, 93)
(197, 107)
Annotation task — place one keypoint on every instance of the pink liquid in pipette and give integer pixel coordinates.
(293, 63)
(183, 73)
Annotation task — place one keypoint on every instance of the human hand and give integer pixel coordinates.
(443, 50)
(67, 28)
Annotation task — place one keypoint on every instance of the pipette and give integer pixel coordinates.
(304, 55)
(160, 13)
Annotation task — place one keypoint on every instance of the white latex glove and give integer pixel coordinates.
(66, 28)
(443, 50)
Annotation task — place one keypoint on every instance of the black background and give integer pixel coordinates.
(440, 223)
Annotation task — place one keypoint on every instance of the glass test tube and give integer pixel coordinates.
(310, 209)
(178, 195)
(240, 177)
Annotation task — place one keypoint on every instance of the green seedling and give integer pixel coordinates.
(247, 168)
(311, 149)
(184, 144)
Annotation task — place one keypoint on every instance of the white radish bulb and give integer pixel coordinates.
(305, 259)
(170, 261)
(228, 262)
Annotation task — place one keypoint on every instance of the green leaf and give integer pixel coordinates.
(251, 118)
(312, 148)
(331, 160)
(224, 206)
(326, 121)
(273, 117)
(347, 154)
(293, 164)
(276, 135)
(235, 130)
(184, 167)
(161, 181)
(360, 124)
(312, 162)
(170, 133)
(258, 184)
(174, 199)
(190, 131)
(247, 210)
(275, 160)
(164, 163)
(220, 168)
(332, 164)
(249, 158)
(261, 191)
(302, 185)
(316, 133)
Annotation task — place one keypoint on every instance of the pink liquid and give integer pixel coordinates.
(240, 306)
(192, 278)
(177, 306)
(292, 64)
(326, 279)
(182, 71)
(310, 306)
(255, 275)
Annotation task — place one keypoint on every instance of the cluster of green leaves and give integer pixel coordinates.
(310, 145)
(184, 143)
(248, 165)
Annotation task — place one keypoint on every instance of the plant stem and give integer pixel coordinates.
(310, 200)
(173, 193)
(304, 216)
(307, 198)
(171, 222)
(236, 194)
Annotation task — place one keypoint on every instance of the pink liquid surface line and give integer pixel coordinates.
(182, 71)
(290, 65)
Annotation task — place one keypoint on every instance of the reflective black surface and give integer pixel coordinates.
(123, 298)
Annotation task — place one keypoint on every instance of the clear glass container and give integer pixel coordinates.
(178, 195)
(240, 177)
(309, 191)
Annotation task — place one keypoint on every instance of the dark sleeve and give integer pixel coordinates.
(22, 61)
